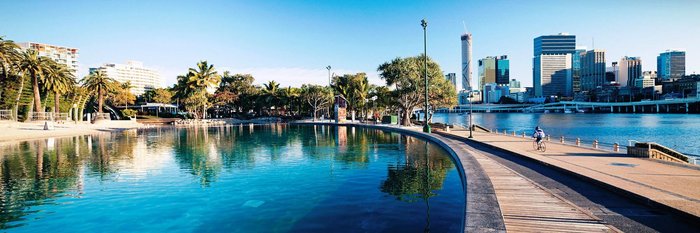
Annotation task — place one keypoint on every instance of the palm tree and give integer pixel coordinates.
(59, 80)
(194, 85)
(270, 93)
(9, 55)
(33, 65)
(99, 81)
(361, 93)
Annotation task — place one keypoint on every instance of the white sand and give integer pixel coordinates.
(20, 131)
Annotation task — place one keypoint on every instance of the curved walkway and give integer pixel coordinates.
(673, 186)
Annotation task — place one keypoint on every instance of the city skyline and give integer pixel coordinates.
(271, 41)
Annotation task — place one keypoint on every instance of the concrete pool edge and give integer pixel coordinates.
(481, 211)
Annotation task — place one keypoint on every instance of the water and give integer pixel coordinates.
(677, 131)
(230, 179)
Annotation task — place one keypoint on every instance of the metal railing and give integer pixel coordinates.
(6, 115)
(42, 116)
(102, 116)
(591, 144)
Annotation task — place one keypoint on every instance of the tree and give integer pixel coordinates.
(99, 81)
(59, 80)
(162, 95)
(406, 74)
(241, 86)
(9, 56)
(361, 89)
(121, 95)
(270, 94)
(192, 88)
(318, 97)
(289, 97)
(33, 65)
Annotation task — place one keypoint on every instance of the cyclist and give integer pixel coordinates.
(539, 135)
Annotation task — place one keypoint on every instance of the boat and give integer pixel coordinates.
(546, 111)
(568, 111)
(580, 111)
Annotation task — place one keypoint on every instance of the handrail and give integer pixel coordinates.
(662, 148)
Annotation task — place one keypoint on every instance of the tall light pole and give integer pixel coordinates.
(470, 115)
(329, 75)
(426, 127)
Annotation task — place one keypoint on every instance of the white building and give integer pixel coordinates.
(466, 61)
(142, 79)
(646, 80)
(630, 69)
(60, 54)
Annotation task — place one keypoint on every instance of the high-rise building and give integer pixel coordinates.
(592, 69)
(141, 78)
(494, 70)
(466, 61)
(670, 65)
(630, 70)
(576, 70)
(452, 78)
(552, 64)
(61, 54)
(502, 70)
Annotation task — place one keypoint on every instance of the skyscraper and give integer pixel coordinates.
(576, 70)
(467, 61)
(630, 70)
(552, 64)
(670, 65)
(592, 69)
(502, 70)
(61, 54)
(494, 70)
(452, 78)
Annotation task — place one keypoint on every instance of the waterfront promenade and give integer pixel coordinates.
(20, 131)
(670, 185)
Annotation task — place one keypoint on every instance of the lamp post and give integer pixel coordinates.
(470, 114)
(329, 75)
(426, 127)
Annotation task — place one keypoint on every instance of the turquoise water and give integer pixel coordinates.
(678, 131)
(231, 179)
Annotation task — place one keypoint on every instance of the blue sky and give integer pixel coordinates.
(293, 41)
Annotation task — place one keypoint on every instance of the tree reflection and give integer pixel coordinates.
(418, 175)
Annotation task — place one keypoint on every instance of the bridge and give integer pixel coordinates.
(651, 106)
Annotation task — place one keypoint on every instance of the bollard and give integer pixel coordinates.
(513, 132)
(523, 133)
(616, 147)
(505, 132)
(578, 142)
(548, 138)
(595, 144)
(561, 139)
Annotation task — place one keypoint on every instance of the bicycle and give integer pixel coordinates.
(542, 147)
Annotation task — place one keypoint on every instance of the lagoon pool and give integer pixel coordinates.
(274, 178)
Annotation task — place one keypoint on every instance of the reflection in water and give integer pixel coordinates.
(37, 175)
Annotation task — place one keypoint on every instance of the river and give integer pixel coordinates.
(677, 131)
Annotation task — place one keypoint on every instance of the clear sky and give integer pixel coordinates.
(293, 41)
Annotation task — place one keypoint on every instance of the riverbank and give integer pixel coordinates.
(22, 131)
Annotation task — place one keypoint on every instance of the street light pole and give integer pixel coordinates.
(426, 126)
(471, 126)
(329, 75)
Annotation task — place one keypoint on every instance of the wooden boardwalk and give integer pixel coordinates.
(527, 207)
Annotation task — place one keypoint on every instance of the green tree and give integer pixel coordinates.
(121, 95)
(59, 80)
(406, 75)
(318, 97)
(162, 95)
(34, 66)
(270, 94)
(290, 97)
(241, 86)
(99, 81)
(9, 57)
(192, 88)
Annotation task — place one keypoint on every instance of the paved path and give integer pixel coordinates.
(674, 186)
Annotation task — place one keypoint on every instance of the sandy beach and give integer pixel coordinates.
(21, 131)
